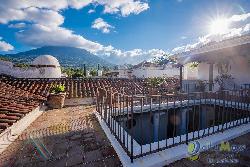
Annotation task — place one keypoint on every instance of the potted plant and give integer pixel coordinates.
(194, 65)
(57, 96)
(201, 86)
(223, 81)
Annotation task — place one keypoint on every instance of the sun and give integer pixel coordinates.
(219, 26)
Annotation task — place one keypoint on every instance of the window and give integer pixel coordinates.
(223, 68)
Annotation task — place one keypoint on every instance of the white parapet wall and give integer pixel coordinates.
(79, 101)
(12, 133)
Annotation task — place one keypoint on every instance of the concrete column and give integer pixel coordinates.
(211, 76)
(181, 70)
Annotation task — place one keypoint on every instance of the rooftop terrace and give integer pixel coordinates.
(72, 136)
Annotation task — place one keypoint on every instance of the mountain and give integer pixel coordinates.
(67, 56)
(121, 60)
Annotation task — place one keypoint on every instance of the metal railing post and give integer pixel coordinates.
(132, 142)
(187, 119)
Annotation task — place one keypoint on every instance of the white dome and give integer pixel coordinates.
(46, 60)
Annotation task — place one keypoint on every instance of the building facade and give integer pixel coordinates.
(149, 70)
(229, 57)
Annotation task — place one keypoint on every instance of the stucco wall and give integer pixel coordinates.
(240, 70)
(190, 73)
(203, 71)
(123, 73)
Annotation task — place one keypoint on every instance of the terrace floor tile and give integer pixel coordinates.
(76, 147)
(92, 156)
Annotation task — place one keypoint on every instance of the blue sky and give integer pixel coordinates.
(115, 27)
(161, 26)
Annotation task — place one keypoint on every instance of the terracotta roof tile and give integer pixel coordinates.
(15, 103)
(81, 87)
(20, 96)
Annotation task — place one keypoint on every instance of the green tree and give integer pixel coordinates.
(155, 81)
(4, 58)
(93, 72)
(74, 72)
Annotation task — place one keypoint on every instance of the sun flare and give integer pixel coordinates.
(219, 26)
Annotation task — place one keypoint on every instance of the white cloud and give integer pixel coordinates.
(77, 4)
(17, 25)
(4, 46)
(246, 29)
(13, 9)
(91, 11)
(240, 29)
(236, 18)
(44, 4)
(45, 21)
(125, 7)
(100, 24)
(186, 47)
(7, 15)
(38, 35)
(45, 25)
(130, 57)
(183, 37)
(33, 15)
(44, 16)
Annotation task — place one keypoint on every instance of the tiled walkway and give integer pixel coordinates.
(66, 137)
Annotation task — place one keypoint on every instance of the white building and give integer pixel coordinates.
(122, 71)
(149, 70)
(44, 66)
(99, 73)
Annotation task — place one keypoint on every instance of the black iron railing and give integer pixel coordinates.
(145, 124)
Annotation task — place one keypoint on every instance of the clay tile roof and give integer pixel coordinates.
(15, 103)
